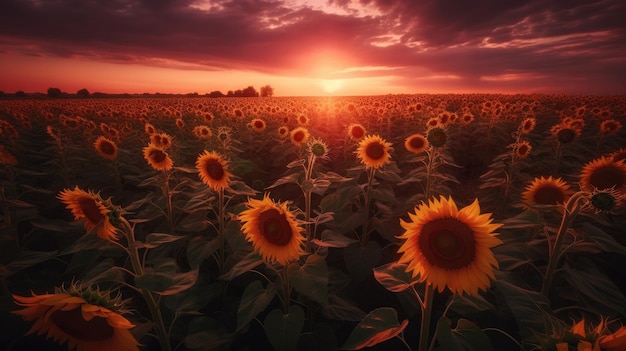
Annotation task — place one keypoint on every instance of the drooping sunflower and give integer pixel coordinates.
(450, 248)
(546, 191)
(416, 143)
(527, 125)
(272, 229)
(95, 210)
(106, 147)
(604, 173)
(356, 131)
(594, 338)
(213, 170)
(437, 136)
(70, 318)
(157, 158)
(373, 151)
(299, 136)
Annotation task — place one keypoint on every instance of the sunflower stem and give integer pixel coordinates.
(569, 214)
(157, 317)
(370, 181)
(427, 309)
(286, 289)
(222, 238)
(307, 201)
(168, 198)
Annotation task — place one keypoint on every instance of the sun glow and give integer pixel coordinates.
(331, 85)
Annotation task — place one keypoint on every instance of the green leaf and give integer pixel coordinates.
(471, 336)
(379, 325)
(283, 330)
(445, 337)
(361, 260)
(250, 261)
(165, 283)
(204, 332)
(155, 239)
(322, 337)
(254, 300)
(393, 277)
(311, 279)
(594, 288)
(29, 259)
(288, 179)
(604, 241)
(331, 238)
(199, 249)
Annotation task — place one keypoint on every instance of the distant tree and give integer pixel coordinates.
(54, 92)
(1, 93)
(83, 92)
(20, 93)
(249, 92)
(267, 91)
(216, 94)
(230, 93)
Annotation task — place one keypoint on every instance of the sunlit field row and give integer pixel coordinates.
(416, 222)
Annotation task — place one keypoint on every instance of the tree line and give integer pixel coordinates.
(53, 92)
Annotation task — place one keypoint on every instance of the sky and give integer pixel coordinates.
(313, 48)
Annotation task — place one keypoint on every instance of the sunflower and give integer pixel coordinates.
(258, 125)
(450, 247)
(202, 132)
(157, 158)
(528, 125)
(273, 230)
(437, 136)
(213, 170)
(356, 131)
(467, 118)
(96, 211)
(180, 123)
(619, 155)
(299, 136)
(161, 140)
(546, 191)
(416, 143)
(283, 131)
(604, 173)
(70, 318)
(318, 148)
(303, 120)
(373, 151)
(149, 128)
(597, 337)
(106, 147)
(610, 127)
(522, 149)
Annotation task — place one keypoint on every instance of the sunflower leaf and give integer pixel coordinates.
(283, 330)
(445, 336)
(199, 249)
(378, 326)
(253, 301)
(155, 239)
(393, 277)
(331, 238)
(311, 279)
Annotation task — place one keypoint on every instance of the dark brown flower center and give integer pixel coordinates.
(447, 243)
(548, 194)
(375, 150)
(91, 210)
(274, 227)
(357, 132)
(157, 156)
(566, 135)
(107, 148)
(72, 323)
(607, 176)
(214, 169)
(258, 124)
(416, 142)
(298, 136)
(522, 150)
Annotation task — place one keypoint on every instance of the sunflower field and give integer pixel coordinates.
(410, 222)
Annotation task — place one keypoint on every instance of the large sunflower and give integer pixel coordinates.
(92, 208)
(213, 170)
(273, 230)
(106, 147)
(546, 191)
(157, 158)
(450, 247)
(299, 136)
(373, 151)
(604, 173)
(83, 325)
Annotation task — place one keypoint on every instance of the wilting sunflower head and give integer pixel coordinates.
(606, 200)
(273, 230)
(546, 192)
(106, 148)
(318, 148)
(299, 136)
(157, 158)
(437, 136)
(213, 169)
(450, 248)
(416, 143)
(604, 173)
(374, 151)
(94, 210)
(84, 324)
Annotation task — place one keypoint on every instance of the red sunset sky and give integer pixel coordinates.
(340, 47)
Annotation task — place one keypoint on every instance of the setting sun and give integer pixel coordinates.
(331, 85)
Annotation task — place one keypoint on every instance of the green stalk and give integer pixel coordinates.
(157, 317)
(370, 181)
(427, 308)
(286, 289)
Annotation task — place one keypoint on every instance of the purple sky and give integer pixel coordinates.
(299, 47)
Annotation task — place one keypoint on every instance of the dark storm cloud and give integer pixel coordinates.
(470, 40)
